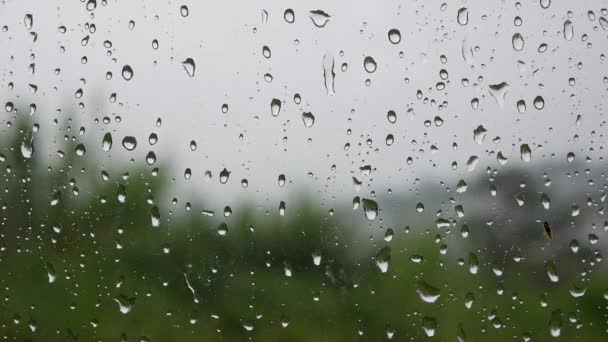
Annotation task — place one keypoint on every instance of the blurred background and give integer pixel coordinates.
(278, 171)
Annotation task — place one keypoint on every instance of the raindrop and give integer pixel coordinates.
(129, 143)
(427, 292)
(224, 175)
(127, 72)
(394, 36)
(463, 16)
(28, 21)
(155, 217)
(391, 116)
(539, 102)
(189, 66)
(568, 30)
(526, 153)
(275, 107)
(518, 42)
(370, 207)
(383, 258)
(328, 73)
(498, 92)
(289, 16)
(183, 11)
(319, 18)
(308, 118)
(369, 64)
(106, 142)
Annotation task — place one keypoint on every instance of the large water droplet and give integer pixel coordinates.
(370, 207)
(319, 18)
(129, 142)
(568, 30)
(28, 21)
(383, 258)
(427, 292)
(463, 16)
(155, 217)
(308, 118)
(539, 102)
(127, 72)
(224, 176)
(394, 36)
(369, 64)
(526, 152)
(275, 107)
(328, 73)
(289, 16)
(27, 145)
(498, 92)
(106, 142)
(518, 42)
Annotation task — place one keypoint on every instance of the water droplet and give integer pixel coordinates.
(266, 51)
(568, 30)
(129, 143)
(308, 118)
(370, 207)
(551, 271)
(127, 72)
(429, 325)
(106, 142)
(155, 217)
(328, 73)
(545, 3)
(394, 36)
(383, 258)
(91, 5)
(369, 64)
(125, 304)
(463, 16)
(427, 292)
(603, 23)
(28, 21)
(539, 102)
(518, 42)
(498, 92)
(224, 175)
(183, 11)
(391, 116)
(275, 107)
(189, 66)
(521, 106)
(319, 18)
(289, 16)
(479, 134)
(27, 145)
(525, 152)
(555, 323)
